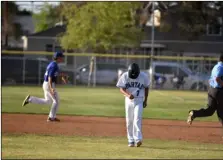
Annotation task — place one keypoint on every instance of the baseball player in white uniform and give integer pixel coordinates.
(135, 87)
(50, 93)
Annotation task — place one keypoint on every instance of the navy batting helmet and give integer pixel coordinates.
(58, 54)
(133, 71)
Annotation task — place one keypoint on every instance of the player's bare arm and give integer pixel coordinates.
(123, 91)
(64, 78)
(146, 97)
(219, 81)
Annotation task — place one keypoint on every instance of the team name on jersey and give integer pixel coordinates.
(133, 85)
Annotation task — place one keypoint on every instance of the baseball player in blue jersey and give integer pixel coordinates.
(50, 93)
(134, 85)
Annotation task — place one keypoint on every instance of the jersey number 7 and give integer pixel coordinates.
(137, 93)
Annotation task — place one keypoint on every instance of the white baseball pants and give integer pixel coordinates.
(49, 98)
(133, 111)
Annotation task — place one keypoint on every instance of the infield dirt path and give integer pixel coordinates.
(103, 126)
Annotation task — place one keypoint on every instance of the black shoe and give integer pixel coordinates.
(139, 143)
(26, 101)
(52, 119)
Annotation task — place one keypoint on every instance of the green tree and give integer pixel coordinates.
(9, 10)
(194, 16)
(48, 16)
(191, 17)
(101, 25)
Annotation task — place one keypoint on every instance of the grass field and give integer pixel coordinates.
(106, 102)
(42, 147)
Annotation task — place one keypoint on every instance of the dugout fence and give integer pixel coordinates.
(95, 69)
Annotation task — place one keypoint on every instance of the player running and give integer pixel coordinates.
(135, 87)
(215, 96)
(50, 93)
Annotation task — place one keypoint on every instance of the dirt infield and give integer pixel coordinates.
(103, 126)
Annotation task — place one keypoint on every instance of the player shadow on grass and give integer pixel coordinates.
(184, 126)
(182, 148)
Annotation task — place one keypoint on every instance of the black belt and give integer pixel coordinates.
(217, 88)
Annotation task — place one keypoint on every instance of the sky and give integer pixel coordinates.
(36, 4)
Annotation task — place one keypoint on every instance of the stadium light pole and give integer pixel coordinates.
(32, 6)
(152, 46)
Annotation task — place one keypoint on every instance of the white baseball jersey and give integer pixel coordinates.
(134, 107)
(134, 86)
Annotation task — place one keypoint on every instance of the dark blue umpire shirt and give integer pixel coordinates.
(217, 71)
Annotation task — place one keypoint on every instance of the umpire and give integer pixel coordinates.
(215, 95)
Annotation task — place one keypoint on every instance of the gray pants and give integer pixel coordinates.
(48, 99)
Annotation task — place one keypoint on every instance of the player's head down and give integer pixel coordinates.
(58, 56)
(133, 71)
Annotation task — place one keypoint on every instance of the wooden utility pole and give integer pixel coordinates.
(6, 23)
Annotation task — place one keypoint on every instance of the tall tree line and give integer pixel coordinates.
(107, 24)
(9, 10)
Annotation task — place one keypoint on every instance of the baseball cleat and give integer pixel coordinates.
(132, 144)
(138, 144)
(52, 119)
(190, 117)
(26, 101)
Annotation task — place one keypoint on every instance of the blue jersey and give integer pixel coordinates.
(217, 71)
(51, 71)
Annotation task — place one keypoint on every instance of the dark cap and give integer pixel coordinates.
(133, 71)
(58, 54)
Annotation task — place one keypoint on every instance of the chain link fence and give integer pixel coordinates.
(176, 72)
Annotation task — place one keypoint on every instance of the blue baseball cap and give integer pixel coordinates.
(58, 54)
